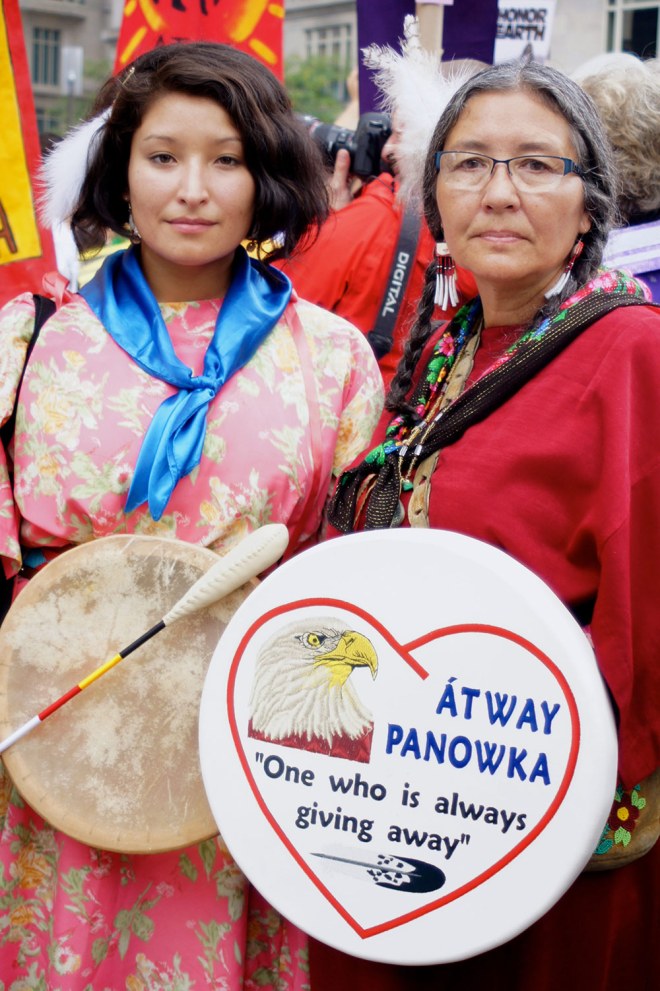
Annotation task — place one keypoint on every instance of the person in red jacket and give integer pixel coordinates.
(369, 261)
(352, 270)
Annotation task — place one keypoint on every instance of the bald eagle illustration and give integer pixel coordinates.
(301, 693)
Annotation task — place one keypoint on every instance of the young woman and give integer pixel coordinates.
(184, 393)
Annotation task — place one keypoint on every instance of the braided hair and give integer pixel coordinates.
(594, 154)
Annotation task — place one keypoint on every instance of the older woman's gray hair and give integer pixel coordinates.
(626, 92)
(593, 153)
(592, 148)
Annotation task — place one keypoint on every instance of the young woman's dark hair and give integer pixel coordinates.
(287, 167)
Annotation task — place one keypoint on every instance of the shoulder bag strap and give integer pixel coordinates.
(43, 308)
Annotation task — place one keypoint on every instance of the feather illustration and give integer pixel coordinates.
(398, 873)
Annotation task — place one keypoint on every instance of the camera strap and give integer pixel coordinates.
(381, 337)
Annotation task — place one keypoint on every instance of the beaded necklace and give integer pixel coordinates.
(449, 364)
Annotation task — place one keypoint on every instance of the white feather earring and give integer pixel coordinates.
(445, 277)
(64, 169)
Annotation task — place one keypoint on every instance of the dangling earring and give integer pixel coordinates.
(565, 275)
(445, 277)
(133, 233)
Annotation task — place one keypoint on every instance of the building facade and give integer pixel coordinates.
(70, 47)
(314, 27)
(582, 31)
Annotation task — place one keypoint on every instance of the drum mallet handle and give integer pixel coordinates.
(256, 552)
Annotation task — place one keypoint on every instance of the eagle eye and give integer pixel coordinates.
(313, 639)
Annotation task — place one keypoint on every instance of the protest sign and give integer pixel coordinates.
(253, 26)
(524, 29)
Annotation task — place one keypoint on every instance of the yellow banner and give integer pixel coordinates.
(19, 234)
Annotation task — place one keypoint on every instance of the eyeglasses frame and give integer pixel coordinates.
(569, 165)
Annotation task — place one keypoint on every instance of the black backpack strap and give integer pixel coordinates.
(44, 307)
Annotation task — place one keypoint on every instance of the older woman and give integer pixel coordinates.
(530, 422)
(184, 393)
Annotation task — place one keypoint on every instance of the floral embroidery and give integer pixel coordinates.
(622, 819)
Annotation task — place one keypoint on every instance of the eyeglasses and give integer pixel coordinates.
(528, 173)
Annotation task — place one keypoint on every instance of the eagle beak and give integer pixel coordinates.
(352, 651)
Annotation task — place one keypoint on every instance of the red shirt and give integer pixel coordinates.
(565, 476)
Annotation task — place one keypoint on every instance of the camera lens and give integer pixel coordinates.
(363, 145)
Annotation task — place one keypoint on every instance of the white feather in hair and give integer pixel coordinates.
(63, 172)
(416, 86)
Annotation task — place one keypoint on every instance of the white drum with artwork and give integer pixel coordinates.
(407, 745)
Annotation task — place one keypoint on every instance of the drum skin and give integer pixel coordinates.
(117, 766)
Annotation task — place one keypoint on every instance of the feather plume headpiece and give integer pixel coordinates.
(63, 172)
(416, 86)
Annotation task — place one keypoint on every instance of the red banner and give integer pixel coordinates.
(26, 249)
(254, 26)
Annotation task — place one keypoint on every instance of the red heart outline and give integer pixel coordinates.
(403, 651)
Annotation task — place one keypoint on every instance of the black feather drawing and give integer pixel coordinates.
(398, 873)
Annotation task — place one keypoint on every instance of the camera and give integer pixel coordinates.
(364, 144)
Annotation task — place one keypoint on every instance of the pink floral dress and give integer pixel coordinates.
(77, 919)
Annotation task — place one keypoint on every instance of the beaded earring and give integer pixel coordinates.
(565, 275)
(134, 235)
(445, 277)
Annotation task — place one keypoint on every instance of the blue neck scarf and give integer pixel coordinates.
(122, 300)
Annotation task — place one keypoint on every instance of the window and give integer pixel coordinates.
(47, 121)
(46, 56)
(335, 42)
(633, 27)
